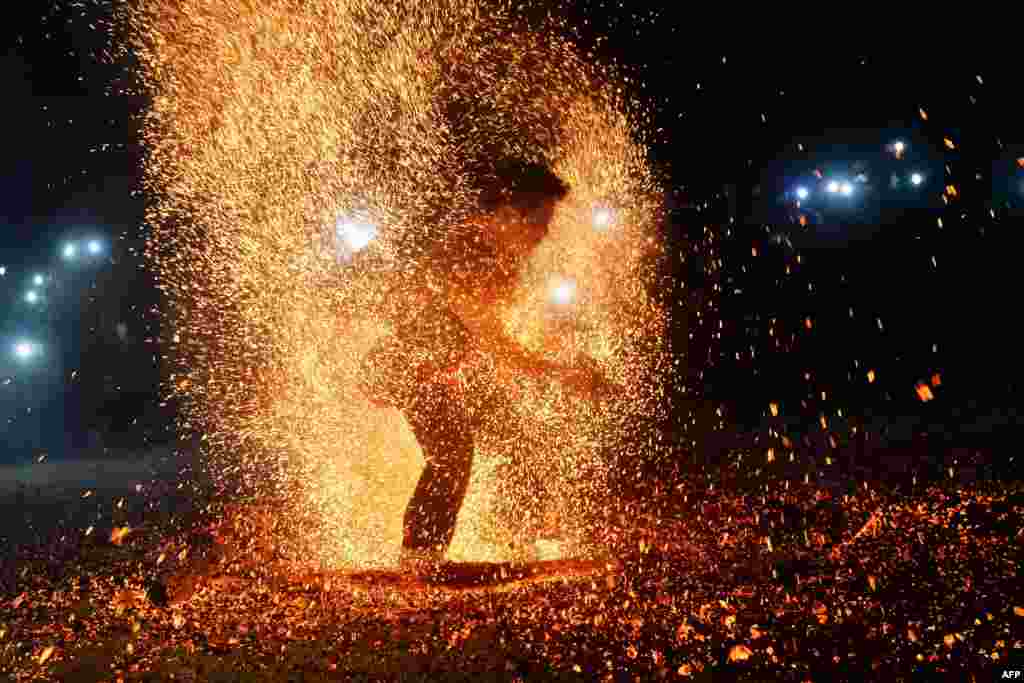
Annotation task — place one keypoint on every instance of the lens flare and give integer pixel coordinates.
(270, 120)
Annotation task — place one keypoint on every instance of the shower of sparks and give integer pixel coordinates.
(302, 156)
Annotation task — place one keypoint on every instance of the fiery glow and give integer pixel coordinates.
(273, 124)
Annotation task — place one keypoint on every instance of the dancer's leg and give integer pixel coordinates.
(445, 436)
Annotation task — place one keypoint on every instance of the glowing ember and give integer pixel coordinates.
(276, 129)
(119, 534)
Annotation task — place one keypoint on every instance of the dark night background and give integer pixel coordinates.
(737, 125)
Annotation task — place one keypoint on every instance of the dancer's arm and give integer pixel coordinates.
(492, 337)
(490, 334)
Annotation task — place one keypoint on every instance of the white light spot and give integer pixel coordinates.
(31, 296)
(564, 292)
(832, 187)
(24, 350)
(916, 178)
(846, 189)
(602, 218)
(94, 247)
(38, 280)
(801, 192)
(70, 250)
(355, 234)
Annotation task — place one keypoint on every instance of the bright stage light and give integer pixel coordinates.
(563, 292)
(916, 178)
(602, 218)
(801, 192)
(24, 350)
(832, 187)
(38, 280)
(846, 189)
(70, 250)
(31, 296)
(3, 271)
(94, 247)
(355, 234)
(898, 147)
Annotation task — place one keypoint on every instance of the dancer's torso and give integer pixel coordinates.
(430, 339)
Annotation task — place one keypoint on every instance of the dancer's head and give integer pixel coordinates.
(521, 197)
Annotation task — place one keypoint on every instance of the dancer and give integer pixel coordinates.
(450, 311)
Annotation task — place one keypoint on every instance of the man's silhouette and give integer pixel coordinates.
(450, 311)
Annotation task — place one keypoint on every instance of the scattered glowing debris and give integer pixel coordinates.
(949, 143)
(936, 380)
(871, 376)
(924, 392)
(119, 534)
(774, 407)
(409, 168)
(740, 653)
(923, 113)
(46, 654)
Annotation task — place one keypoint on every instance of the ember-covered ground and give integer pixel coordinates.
(764, 580)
